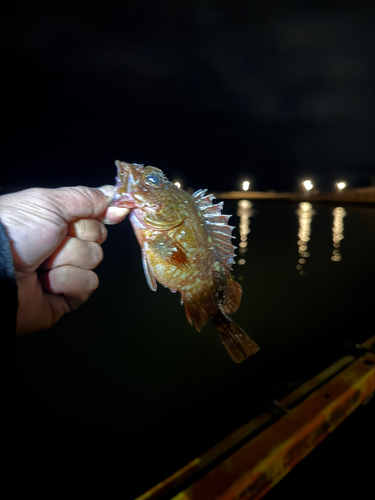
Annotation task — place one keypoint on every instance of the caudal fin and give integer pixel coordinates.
(238, 344)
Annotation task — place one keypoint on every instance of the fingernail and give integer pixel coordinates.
(108, 222)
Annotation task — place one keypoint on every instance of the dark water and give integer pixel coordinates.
(125, 378)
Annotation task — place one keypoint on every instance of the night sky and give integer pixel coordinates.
(212, 92)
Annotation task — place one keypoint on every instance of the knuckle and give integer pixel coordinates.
(84, 229)
(91, 230)
(63, 273)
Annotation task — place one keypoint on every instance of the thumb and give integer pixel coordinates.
(73, 203)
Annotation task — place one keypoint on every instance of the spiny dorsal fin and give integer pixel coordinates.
(198, 194)
(217, 225)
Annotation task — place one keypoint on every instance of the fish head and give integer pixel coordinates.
(138, 186)
(157, 202)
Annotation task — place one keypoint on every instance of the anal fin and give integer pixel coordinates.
(195, 313)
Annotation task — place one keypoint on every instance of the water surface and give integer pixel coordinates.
(126, 377)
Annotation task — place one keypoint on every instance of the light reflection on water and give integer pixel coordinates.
(337, 232)
(244, 212)
(305, 213)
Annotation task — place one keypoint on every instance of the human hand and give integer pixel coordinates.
(55, 237)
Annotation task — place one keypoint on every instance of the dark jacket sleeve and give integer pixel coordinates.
(8, 295)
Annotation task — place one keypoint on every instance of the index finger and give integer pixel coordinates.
(112, 215)
(88, 229)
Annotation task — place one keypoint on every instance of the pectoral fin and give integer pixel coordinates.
(149, 273)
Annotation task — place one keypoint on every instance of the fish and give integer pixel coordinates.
(186, 246)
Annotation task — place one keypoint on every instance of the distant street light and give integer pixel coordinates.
(246, 185)
(178, 184)
(341, 185)
(308, 185)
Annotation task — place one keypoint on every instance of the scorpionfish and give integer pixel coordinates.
(186, 246)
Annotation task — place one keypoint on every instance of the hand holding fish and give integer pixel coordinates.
(55, 237)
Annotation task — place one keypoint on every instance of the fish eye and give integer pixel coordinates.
(154, 178)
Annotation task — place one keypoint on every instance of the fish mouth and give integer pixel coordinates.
(125, 180)
(125, 183)
(126, 187)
